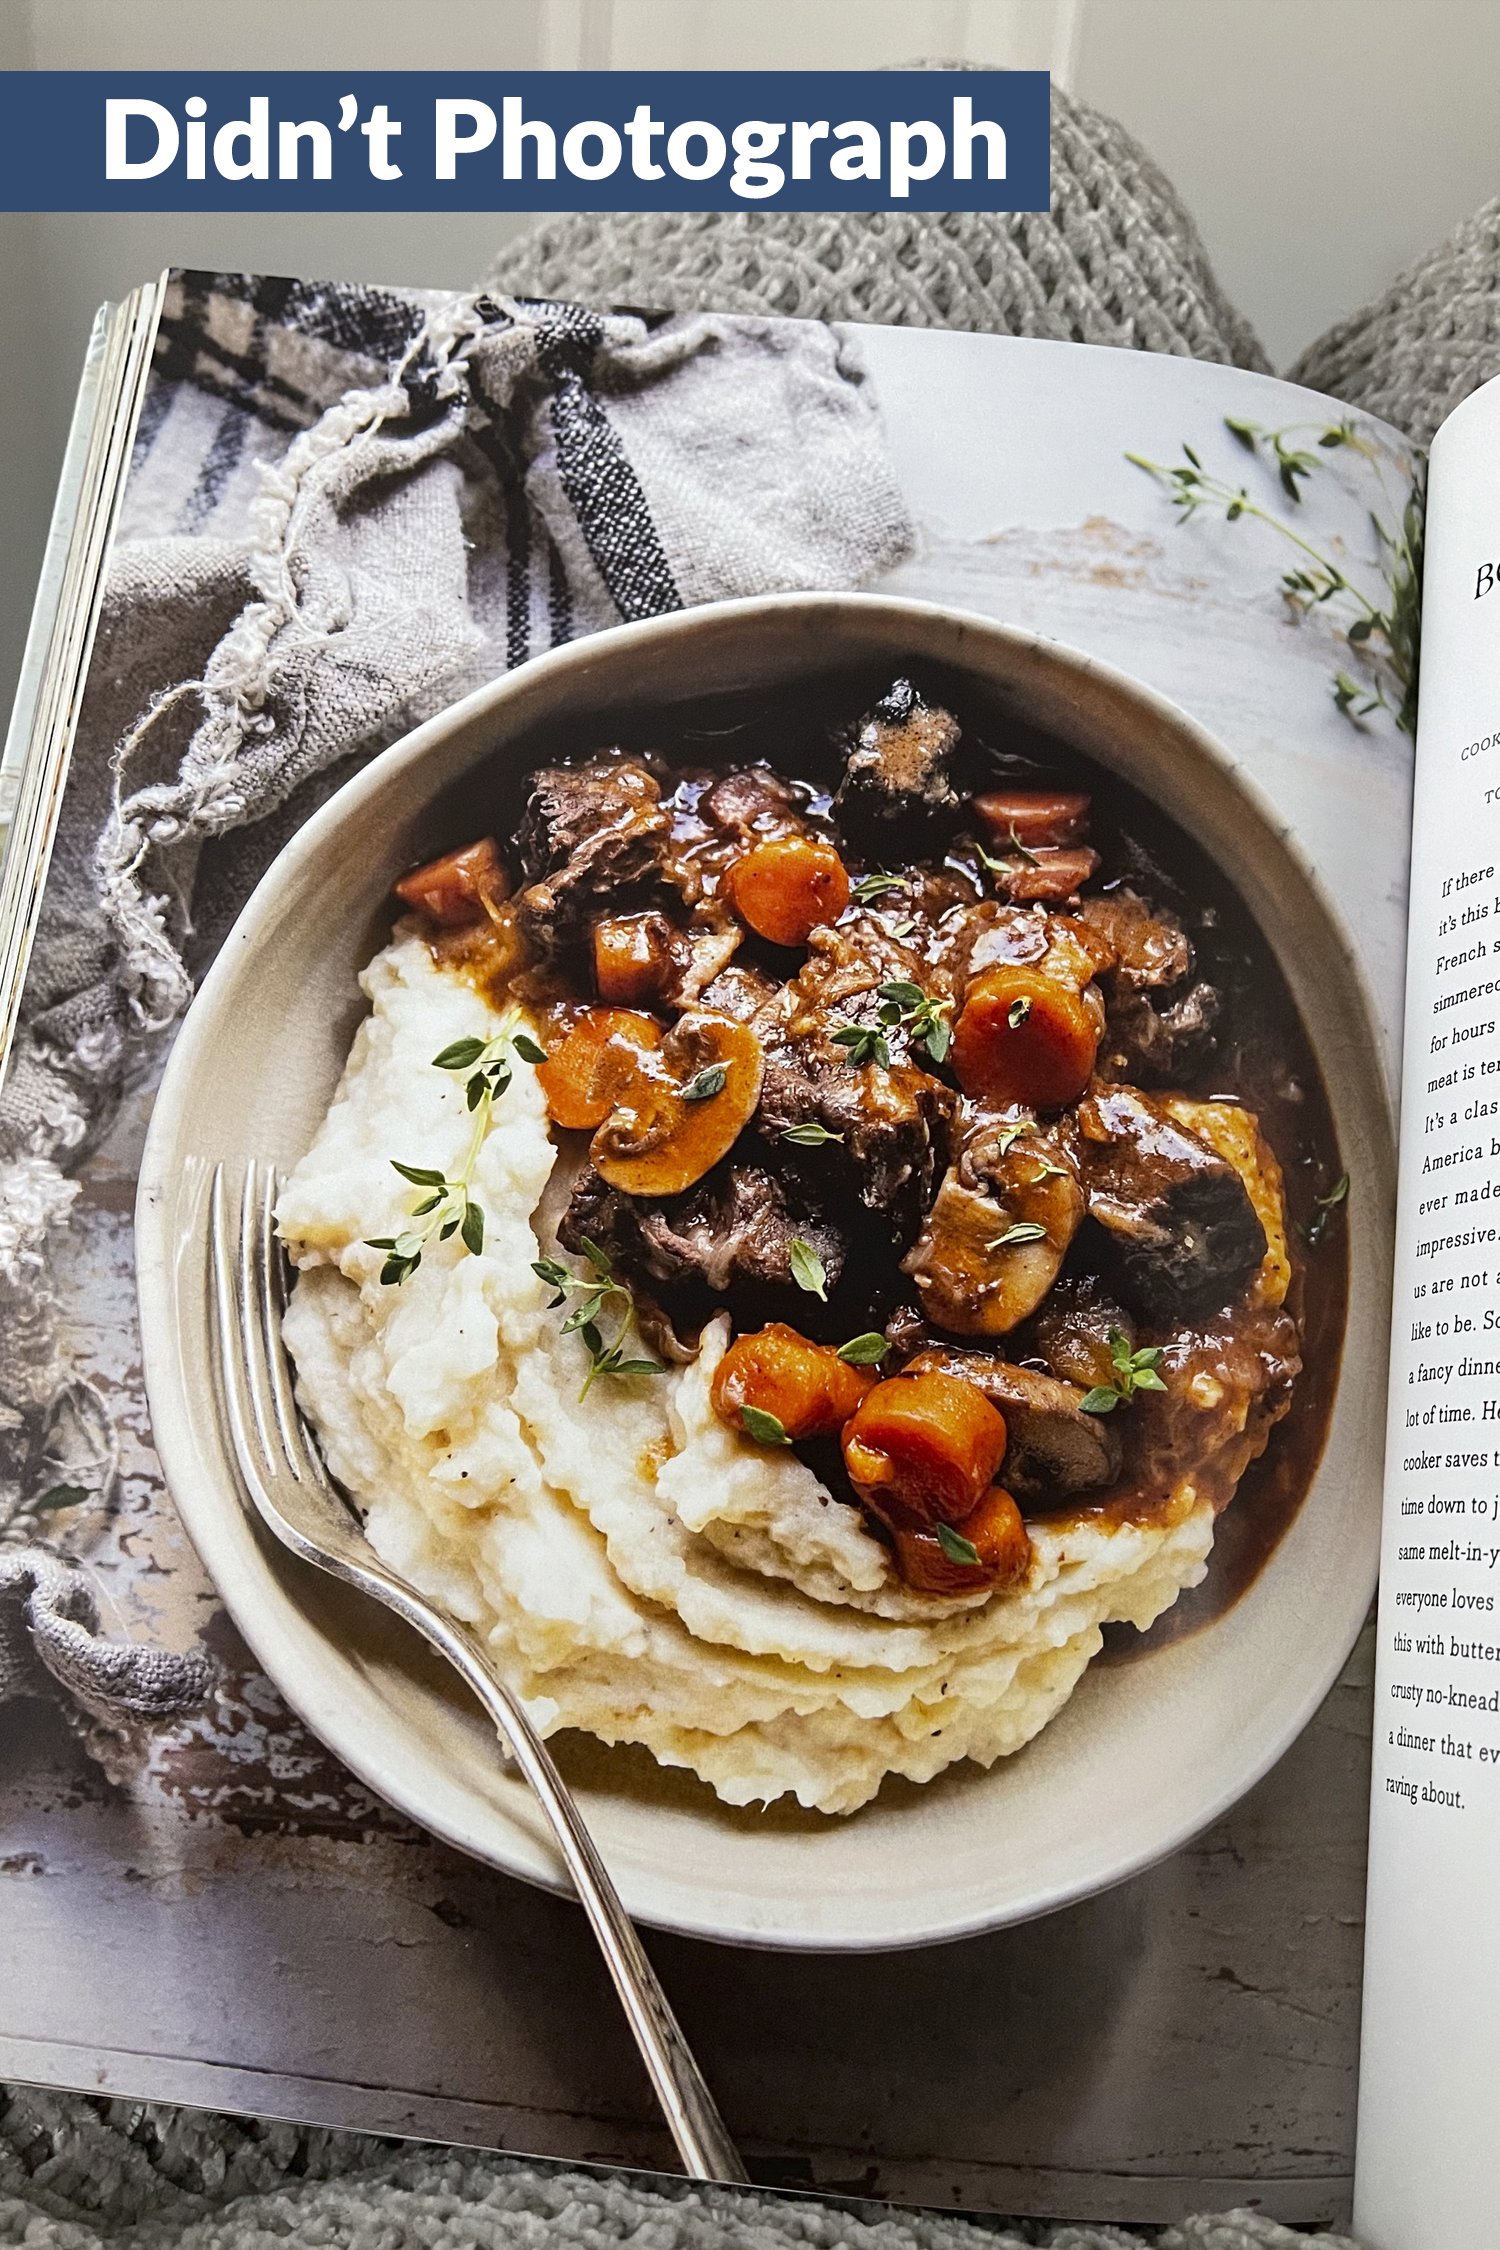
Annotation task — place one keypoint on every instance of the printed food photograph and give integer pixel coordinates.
(812, 1234)
(822, 1179)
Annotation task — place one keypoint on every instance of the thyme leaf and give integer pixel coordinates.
(1327, 1204)
(862, 1045)
(864, 1351)
(600, 1296)
(1133, 1371)
(766, 1429)
(810, 1135)
(869, 888)
(707, 1082)
(808, 1269)
(905, 1006)
(1024, 1230)
(955, 1546)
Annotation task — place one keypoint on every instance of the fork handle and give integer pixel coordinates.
(702, 2138)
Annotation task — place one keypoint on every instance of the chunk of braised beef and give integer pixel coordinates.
(1160, 1027)
(1149, 944)
(741, 990)
(888, 1121)
(751, 801)
(1053, 1449)
(887, 1127)
(1153, 1043)
(898, 769)
(727, 1240)
(1182, 1235)
(590, 841)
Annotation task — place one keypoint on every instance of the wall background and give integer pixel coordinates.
(1320, 144)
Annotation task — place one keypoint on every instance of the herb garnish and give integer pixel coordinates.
(871, 887)
(489, 1062)
(707, 1082)
(595, 1290)
(1327, 1204)
(808, 1269)
(1008, 1135)
(448, 1208)
(1024, 1230)
(1134, 1371)
(924, 1021)
(810, 1135)
(865, 1351)
(1017, 1012)
(1386, 629)
(1023, 853)
(955, 1546)
(766, 1429)
(862, 1045)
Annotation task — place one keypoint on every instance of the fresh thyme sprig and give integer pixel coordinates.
(1384, 629)
(448, 1206)
(1134, 1371)
(925, 1021)
(447, 1209)
(862, 1045)
(489, 1062)
(595, 1290)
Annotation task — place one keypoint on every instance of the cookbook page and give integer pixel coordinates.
(1431, 2040)
(1052, 999)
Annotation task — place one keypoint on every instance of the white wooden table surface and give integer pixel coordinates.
(232, 1921)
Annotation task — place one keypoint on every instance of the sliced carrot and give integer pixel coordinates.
(806, 1386)
(1023, 1038)
(923, 1449)
(1047, 875)
(458, 889)
(584, 1072)
(784, 888)
(1029, 817)
(996, 1532)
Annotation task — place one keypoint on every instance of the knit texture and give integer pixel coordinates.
(1116, 260)
(85, 2174)
(1427, 343)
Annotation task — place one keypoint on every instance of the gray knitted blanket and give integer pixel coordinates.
(75, 2175)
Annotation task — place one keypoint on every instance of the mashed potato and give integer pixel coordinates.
(638, 1569)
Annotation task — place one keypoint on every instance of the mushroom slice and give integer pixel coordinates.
(683, 1107)
(999, 1229)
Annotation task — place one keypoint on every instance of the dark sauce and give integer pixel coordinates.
(1264, 1058)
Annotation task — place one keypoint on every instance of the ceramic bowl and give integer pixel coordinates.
(1146, 1753)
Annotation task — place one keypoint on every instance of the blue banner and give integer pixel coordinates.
(525, 140)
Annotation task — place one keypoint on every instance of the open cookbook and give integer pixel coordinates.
(788, 955)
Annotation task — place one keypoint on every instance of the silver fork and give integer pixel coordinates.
(285, 1480)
